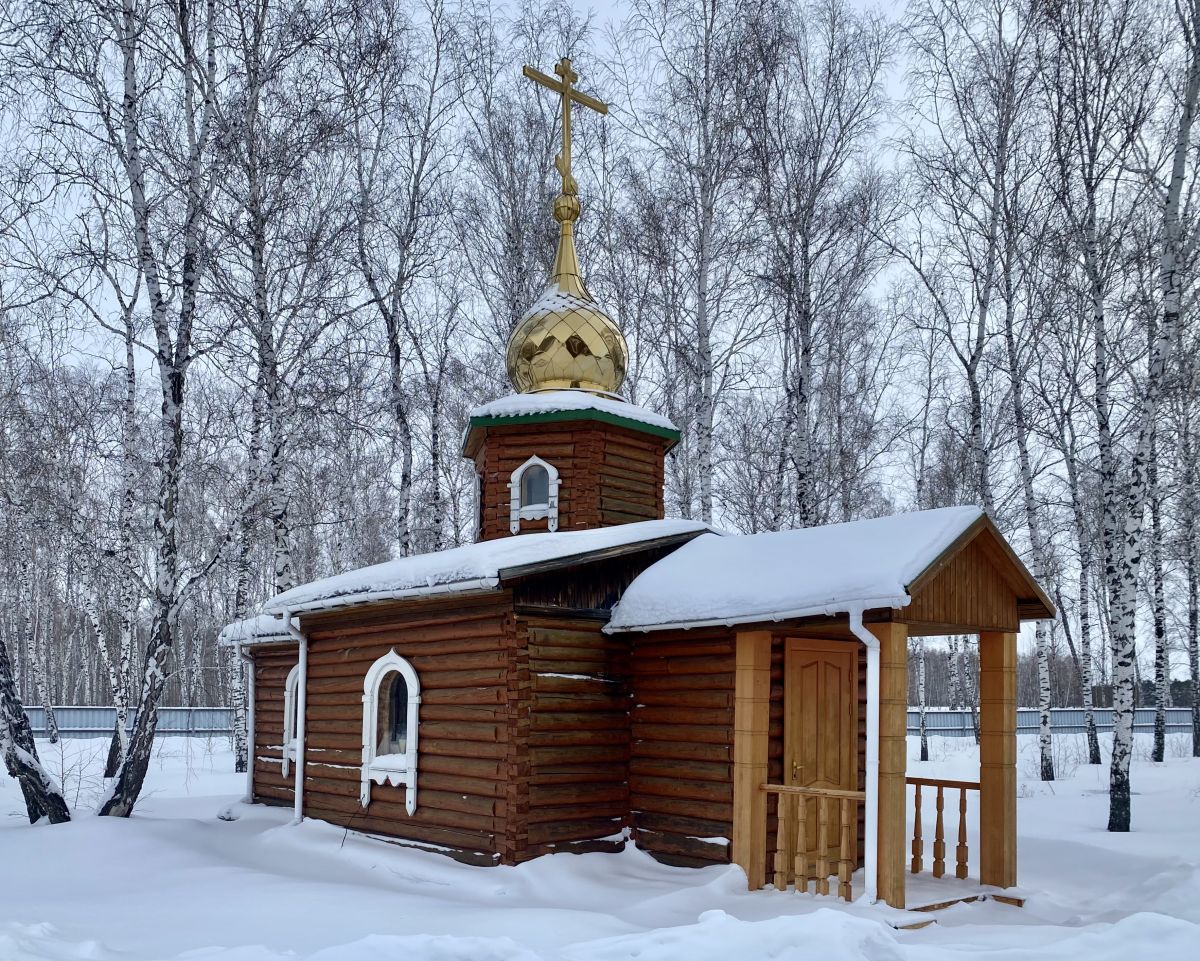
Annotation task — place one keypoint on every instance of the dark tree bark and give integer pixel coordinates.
(43, 796)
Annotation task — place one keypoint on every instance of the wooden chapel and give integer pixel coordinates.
(589, 674)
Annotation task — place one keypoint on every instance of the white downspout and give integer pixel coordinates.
(247, 659)
(301, 705)
(871, 818)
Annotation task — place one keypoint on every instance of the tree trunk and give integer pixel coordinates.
(43, 795)
(115, 685)
(1193, 617)
(1158, 606)
(1190, 504)
(1124, 564)
(1045, 741)
(1087, 665)
(921, 698)
(129, 779)
(955, 691)
(970, 688)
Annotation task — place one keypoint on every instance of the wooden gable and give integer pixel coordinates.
(977, 584)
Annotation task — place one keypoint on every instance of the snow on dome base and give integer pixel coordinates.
(566, 401)
(749, 578)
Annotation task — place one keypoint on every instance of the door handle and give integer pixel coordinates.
(796, 769)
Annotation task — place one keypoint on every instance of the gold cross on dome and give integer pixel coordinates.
(563, 87)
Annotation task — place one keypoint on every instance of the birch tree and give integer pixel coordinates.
(813, 98)
(686, 53)
(399, 83)
(117, 78)
(1126, 502)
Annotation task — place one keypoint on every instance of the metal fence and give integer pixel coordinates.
(205, 721)
(99, 721)
(1063, 720)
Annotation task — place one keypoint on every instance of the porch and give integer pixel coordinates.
(803, 814)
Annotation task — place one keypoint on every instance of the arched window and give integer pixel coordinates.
(533, 494)
(535, 487)
(393, 716)
(391, 704)
(291, 726)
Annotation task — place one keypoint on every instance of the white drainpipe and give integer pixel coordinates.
(247, 659)
(301, 705)
(871, 826)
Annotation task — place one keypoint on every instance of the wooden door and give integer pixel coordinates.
(820, 710)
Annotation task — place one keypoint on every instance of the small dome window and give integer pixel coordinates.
(533, 494)
(535, 487)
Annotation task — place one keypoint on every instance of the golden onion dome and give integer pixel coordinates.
(565, 340)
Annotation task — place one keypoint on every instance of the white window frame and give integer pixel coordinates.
(549, 510)
(390, 663)
(291, 693)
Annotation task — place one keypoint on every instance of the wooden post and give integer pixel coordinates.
(822, 845)
(893, 759)
(751, 718)
(801, 871)
(846, 860)
(939, 835)
(918, 844)
(785, 849)
(960, 852)
(998, 759)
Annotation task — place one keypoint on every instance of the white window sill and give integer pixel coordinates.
(389, 769)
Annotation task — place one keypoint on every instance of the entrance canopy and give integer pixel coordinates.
(939, 571)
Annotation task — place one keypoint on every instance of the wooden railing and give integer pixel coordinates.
(817, 837)
(939, 833)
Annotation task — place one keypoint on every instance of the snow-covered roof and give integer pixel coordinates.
(257, 629)
(569, 401)
(764, 577)
(472, 567)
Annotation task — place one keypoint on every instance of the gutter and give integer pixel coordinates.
(871, 814)
(301, 710)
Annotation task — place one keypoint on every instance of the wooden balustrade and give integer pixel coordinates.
(939, 829)
(807, 851)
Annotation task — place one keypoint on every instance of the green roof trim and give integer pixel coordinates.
(562, 416)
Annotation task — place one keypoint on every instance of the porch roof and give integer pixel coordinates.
(858, 566)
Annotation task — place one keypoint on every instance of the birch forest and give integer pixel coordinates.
(259, 259)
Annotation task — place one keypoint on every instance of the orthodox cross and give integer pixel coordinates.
(569, 95)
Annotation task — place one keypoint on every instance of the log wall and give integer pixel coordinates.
(271, 668)
(608, 475)
(681, 765)
(463, 651)
(578, 784)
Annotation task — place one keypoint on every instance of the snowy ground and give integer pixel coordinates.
(176, 882)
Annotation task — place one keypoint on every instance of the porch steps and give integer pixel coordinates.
(938, 906)
(905, 925)
(902, 924)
